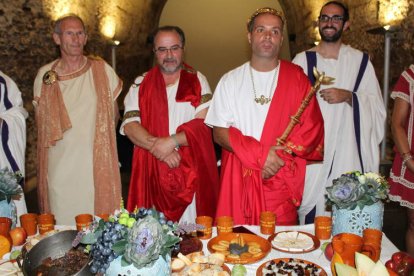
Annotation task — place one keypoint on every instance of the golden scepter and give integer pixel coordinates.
(320, 78)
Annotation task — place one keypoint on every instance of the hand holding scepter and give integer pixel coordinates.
(320, 78)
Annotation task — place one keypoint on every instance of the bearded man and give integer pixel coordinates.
(173, 167)
(352, 108)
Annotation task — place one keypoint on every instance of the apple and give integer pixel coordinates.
(328, 250)
(408, 261)
(398, 257)
(18, 236)
(391, 265)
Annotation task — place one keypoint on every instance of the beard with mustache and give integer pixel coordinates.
(170, 68)
(331, 38)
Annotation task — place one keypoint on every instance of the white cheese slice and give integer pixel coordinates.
(292, 241)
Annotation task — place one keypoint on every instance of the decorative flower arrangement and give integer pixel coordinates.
(356, 189)
(140, 238)
(9, 184)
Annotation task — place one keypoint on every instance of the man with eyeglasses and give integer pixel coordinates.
(250, 110)
(174, 167)
(76, 114)
(352, 108)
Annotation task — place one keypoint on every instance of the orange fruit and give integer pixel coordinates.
(5, 245)
(336, 258)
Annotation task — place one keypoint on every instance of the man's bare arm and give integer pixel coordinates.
(138, 135)
(221, 137)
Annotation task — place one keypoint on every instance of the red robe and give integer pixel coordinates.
(153, 183)
(244, 194)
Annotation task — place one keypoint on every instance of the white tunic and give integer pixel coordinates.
(233, 101)
(178, 114)
(15, 117)
(340, 151)
(71, 185)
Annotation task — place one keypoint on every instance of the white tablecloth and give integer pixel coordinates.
(316, 256)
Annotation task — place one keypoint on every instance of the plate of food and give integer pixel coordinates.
(188, 245)
(295, 242)
(240, 248)
(200, 264)
(290, 266)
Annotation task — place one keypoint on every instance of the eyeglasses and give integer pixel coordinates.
(335, 18)
(164, 50)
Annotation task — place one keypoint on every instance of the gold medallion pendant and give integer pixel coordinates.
(50, 77)
(263, 100)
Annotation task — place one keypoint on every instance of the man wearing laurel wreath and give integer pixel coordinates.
(250, 110)
(352, 108)
(76, 113)
(174, 166)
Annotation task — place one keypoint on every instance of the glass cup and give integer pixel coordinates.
(267, 222)
(224, 225)
(45, 223)
(207, 222)
(29, 223)
(83, 221)
(323, 227)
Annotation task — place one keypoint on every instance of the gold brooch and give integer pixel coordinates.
(50, 77)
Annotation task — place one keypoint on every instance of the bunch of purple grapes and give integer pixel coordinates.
(101, 251)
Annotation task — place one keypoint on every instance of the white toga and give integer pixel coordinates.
(340, 151)
(14, 117)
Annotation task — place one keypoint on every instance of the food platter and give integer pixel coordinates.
(200, 263)
(297, 263)
(294, 242)
(257, 247)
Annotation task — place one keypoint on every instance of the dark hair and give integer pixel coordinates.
(250, 21)
(170, 28)
(339, 4)
(58, 22)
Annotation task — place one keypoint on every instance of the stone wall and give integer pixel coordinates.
(26, 43)
(364, 15)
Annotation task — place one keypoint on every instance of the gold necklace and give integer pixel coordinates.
(262, 99)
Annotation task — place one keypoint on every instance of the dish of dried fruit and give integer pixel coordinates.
(290, 266)
(294, 242)
(199, 264)
(240, 248)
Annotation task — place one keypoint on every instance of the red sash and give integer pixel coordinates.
(153, 183)
(242, 185)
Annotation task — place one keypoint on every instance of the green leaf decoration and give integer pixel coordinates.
(124, 262)
(119, 247)
(89, 238)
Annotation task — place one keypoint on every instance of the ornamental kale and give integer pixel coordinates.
(355, 189)
(9, 184)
